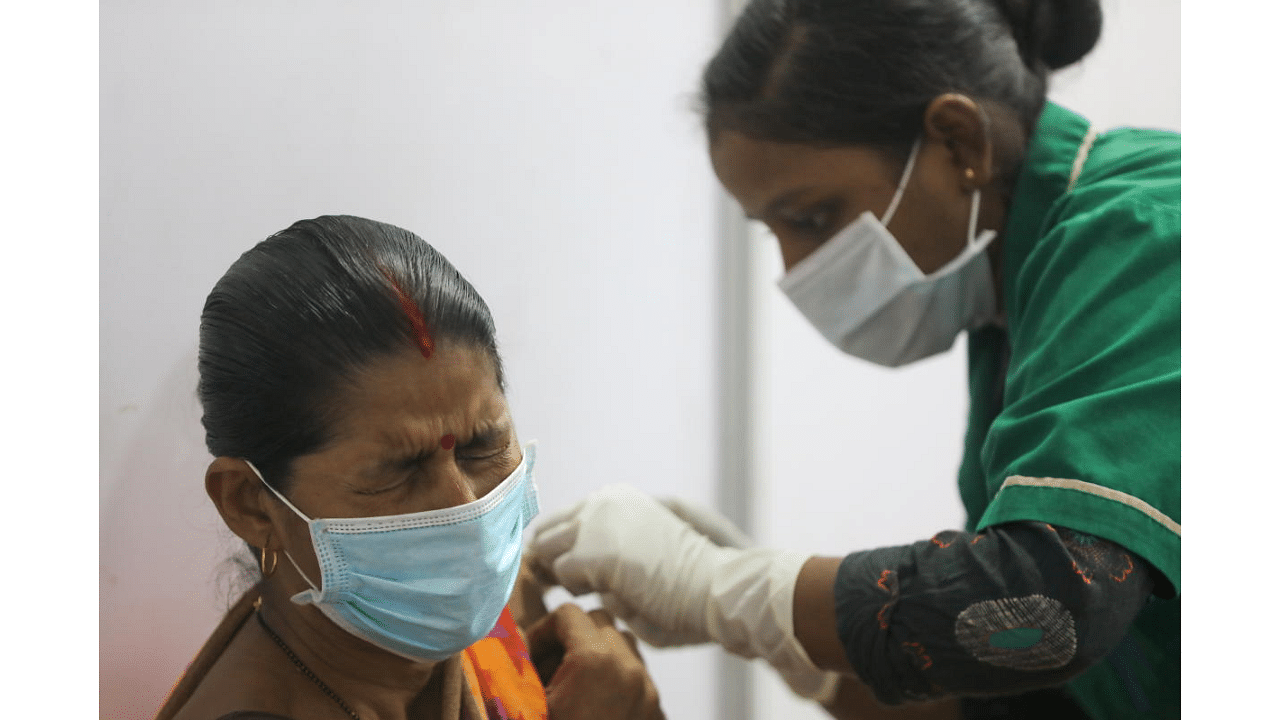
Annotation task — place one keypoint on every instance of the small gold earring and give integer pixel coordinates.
(968, 174)
(275, 560)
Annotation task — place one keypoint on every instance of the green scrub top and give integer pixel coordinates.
(1075, 406)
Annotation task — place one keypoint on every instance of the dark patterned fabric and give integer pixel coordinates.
(1052, 704)
(1015, 608)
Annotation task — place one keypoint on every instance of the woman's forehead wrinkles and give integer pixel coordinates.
(411, 439)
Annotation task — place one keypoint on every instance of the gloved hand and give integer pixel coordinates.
(674, 586)
(714, 526)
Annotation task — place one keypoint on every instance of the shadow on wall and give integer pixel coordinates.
(165, 574)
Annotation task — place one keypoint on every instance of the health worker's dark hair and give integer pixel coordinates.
(295, 319)
(847, 72)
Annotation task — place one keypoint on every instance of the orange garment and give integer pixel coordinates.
(501, 676)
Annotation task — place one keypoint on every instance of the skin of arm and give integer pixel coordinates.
(815, 614)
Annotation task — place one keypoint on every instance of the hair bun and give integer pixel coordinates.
(1056, 33)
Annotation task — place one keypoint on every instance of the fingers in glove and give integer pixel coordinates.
(576, 574)
(716, 527)
(539, 569)
(552, 541)
(558, 517)
(643, 629)
(617, 607)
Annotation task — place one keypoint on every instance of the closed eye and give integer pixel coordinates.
(813, 223)
(398, 472)
(485, 445)
(816, 220)
(385, 488)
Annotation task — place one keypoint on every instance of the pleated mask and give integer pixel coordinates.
(423, 585)
(866, 295)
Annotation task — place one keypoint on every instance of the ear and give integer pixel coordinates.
(963, 126)
(241, 500)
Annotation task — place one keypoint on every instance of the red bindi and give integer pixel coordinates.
(447, 441)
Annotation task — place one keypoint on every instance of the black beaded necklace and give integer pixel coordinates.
(306, 670)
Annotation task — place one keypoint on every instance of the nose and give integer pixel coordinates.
(466, 489)
(456, 486)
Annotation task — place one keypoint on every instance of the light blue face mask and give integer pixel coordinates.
(424, 585)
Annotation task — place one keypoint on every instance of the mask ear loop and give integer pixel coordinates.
(295, 567)
(284, 500)
(902, 184)
(973, 217)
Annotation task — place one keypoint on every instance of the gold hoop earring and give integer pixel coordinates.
(275, 560)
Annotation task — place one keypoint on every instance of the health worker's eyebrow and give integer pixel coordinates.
(777, 203)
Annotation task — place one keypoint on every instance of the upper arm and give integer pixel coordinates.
(1017, 607)
(1090, 436)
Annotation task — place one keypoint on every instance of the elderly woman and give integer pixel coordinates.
(354, 403)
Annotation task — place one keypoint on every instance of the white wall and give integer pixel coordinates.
(554, 157)
(548, 149)
(857, 456)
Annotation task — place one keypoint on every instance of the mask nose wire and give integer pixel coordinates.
(902, 184)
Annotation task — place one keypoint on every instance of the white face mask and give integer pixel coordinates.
(863, 292)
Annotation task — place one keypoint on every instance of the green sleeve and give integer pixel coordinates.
(1089, 436)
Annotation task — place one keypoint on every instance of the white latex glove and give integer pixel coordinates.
(674, 586)
(714, 526)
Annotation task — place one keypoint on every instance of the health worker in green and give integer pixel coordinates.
(919, 186)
